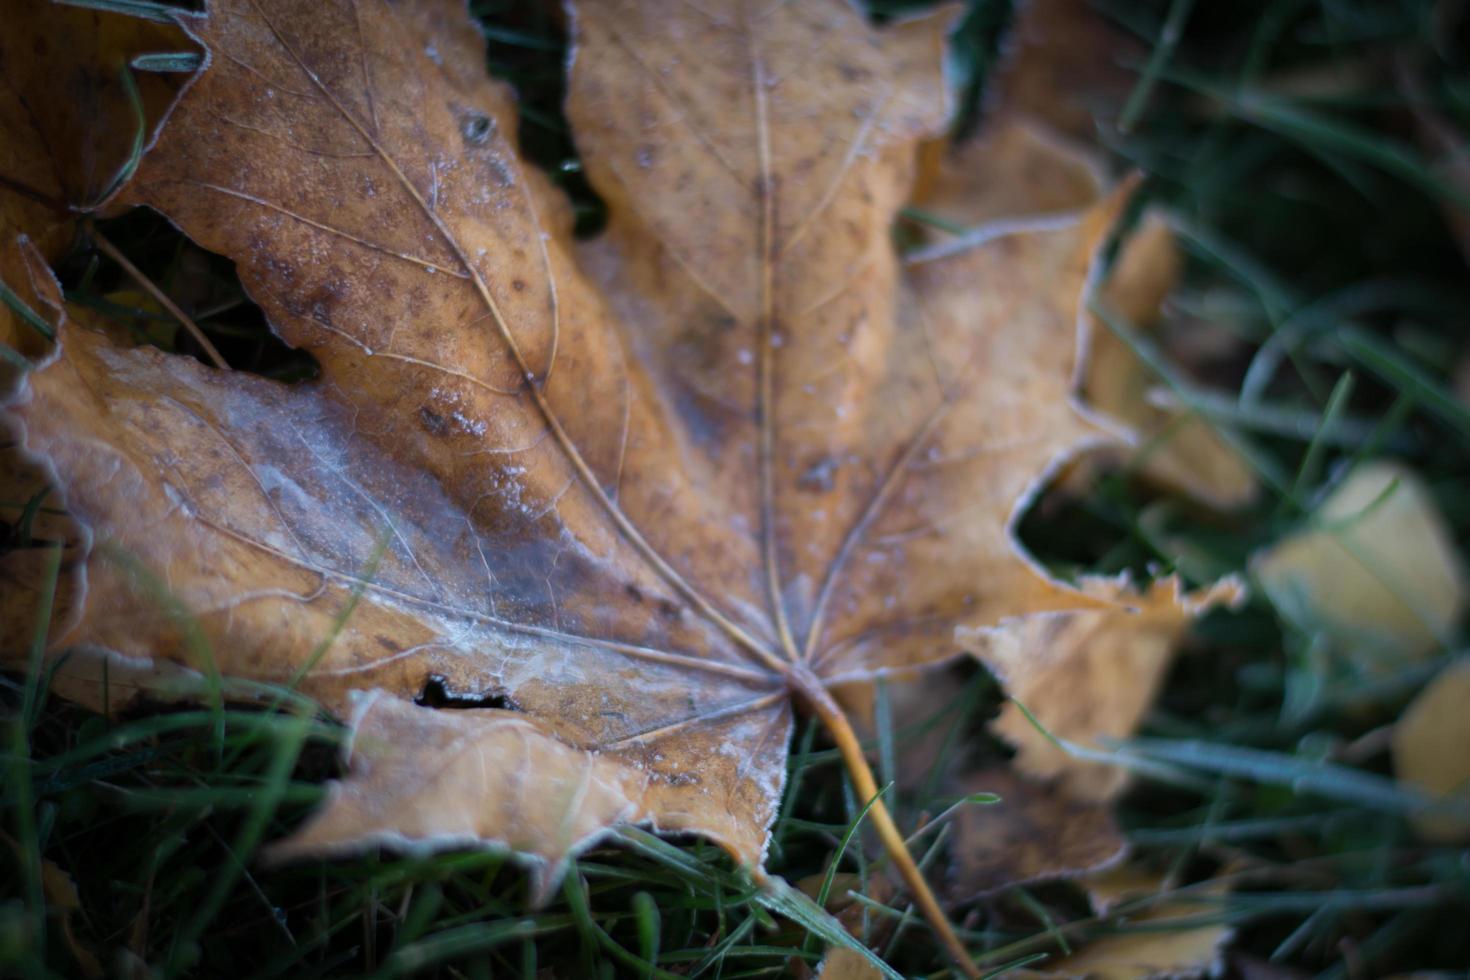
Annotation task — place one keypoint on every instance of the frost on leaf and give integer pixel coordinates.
(640, 492)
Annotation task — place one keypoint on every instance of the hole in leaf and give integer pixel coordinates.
(203, 285)
(437, 693)
(976, 43)
(527, 47)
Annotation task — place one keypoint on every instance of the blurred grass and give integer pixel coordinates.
(1281, 136)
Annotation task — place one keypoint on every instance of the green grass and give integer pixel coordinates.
(1316, 235)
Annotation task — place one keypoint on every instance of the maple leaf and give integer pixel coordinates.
(637, 496)
(1084, 678)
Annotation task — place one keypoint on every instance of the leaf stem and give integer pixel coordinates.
(811, 689)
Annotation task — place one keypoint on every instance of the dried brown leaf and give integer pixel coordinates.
(642, 492)
(32, 523)
(1013, 168)
(1180, 450)
(1026, 163)
(1036, 832)
(1086, 677)
(1067, 66)
(1162, 943)
(71, 125)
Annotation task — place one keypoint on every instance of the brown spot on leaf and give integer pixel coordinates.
(477, 128)
(819, 475)
(434, 423)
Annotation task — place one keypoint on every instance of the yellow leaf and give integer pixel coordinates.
(1431, 749)
(1378, 573)
(1034, 833)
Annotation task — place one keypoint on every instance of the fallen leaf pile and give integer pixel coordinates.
(636, 496)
